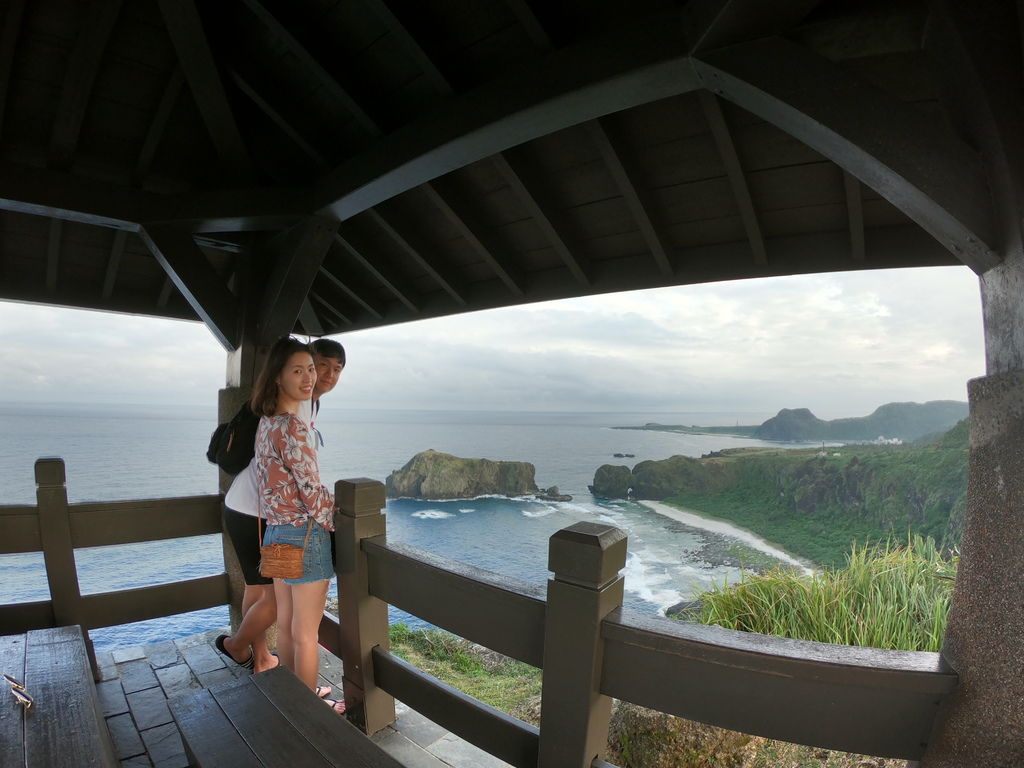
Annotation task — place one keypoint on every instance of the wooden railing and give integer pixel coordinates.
(589, 648)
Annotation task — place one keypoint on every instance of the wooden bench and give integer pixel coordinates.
(65, 725)
(269, 720)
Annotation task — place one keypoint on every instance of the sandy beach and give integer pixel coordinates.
(726, 529)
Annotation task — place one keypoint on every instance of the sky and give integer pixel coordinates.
(840, 344)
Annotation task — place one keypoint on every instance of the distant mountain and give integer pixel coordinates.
(906, 421)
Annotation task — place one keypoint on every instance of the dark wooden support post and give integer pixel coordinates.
(363, 617)
(58, 550)
(586, 559)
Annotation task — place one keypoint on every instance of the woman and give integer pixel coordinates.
(294, 503)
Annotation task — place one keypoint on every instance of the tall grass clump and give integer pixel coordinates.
(890, 595)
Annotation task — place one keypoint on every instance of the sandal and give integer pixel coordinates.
(323, 691)
(247, 664)
(337, 706)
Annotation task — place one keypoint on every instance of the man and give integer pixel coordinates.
(248, 646)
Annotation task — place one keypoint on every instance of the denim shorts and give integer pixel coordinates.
(317, 564)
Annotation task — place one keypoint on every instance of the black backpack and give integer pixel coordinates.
(233, 443)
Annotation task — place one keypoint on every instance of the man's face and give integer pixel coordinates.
(328, 369)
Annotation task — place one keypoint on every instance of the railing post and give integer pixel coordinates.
(586, 559)
(58, 549)
(363, 618)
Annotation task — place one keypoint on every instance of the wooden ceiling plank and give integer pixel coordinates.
(714, 23)
(297, 255)
(308, 317)
(387, 280)
(442, 278)
(278, 119)
(352, 294)
(636, 64)
(98, 21)
(185, 27)
(901, 152)
(113, 263)
(855, 215)
(528, 19)
(193, 275)
(313, 67)
(734, 170)
(473, 234)
(8, 43)
(53, 255)
(412, 46)
(157, 126)
(514, 176)
(638, 206)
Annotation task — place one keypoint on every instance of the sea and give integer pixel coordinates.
(114, 452)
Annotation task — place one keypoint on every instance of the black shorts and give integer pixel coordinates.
(241, 529)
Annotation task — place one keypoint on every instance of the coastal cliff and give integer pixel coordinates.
(814, 503)
(434, 475)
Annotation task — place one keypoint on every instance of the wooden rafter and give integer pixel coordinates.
(445, 280)
(352, 294)
(734, 170)
(313, 67)
(157, 125)
(714, 23)
(412, 46)
(53, 254)
(83, 65)
(8, 42)
(278, 119)
(936, 179)
(514, 176)
(114, 263)
(309, 319)
(474, 234)
(379, 273)
(165, 292)
(855, 215)
(197, 63)
(635, 199)
(330, 307)
(297, 255)
(187, 266)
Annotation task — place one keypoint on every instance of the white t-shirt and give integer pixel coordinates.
(243, 496)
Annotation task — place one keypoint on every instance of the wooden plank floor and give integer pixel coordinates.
(137, 682)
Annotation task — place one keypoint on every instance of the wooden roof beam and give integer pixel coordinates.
(114, 263)
(734, 170)
(296, 255)
(157, 125)
(98, 20)
(8, 42)
(638, 206)
(309, 319)
(165, 292)
(53, 255)
(474, 235)
(443, 278)
(193, 275)
(313, 67)
(380, 273)
(715, 23)
(513, 173)
(936, 178)
(401, 33)
(352, 294)
(855, 215)
(185, 27)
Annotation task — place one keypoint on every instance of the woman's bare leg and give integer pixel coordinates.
(259, 611)
(285, 640)
(306, 611)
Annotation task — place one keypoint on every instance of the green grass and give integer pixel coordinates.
(890, 595)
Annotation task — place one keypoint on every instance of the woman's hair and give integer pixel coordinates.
(264, 393)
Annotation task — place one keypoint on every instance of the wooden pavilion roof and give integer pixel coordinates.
(331, 165)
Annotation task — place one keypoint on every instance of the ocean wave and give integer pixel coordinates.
(542, 512)
(645, 583)
(432, 514)
(467, 511)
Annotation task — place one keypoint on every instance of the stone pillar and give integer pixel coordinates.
(363, 618)
(586, 559)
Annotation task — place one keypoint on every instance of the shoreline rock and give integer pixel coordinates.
(434, 475)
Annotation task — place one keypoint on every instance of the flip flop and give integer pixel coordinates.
(337, 706)
(247, 664)
(323, 691)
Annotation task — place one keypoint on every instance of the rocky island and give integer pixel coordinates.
(434, 475)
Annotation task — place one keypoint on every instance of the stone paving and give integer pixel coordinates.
(136, 683)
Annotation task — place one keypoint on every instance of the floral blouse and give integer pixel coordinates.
(288, 476)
